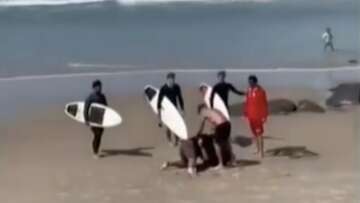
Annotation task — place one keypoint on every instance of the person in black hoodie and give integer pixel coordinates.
(172, 91)
(95, 97)
(222, 88)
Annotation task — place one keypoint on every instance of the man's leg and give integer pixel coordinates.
(332, 46)
(168, 135)
(98, 132)
(262, 153)
(176, 139)
(218, 147)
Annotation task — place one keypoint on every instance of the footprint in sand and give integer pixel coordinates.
(133, 191)
(85, 196)
(107, 199)
(63, 195)
(236, 175)
(304, 178)
(263, 197)
(338, 192)
(253, 188)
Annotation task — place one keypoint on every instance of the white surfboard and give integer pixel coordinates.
(218, 102)
(170, 115)
(99, 115)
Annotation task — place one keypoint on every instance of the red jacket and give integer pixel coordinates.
(256, 105)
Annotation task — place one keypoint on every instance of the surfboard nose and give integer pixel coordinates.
(72, 109)
(150, 93)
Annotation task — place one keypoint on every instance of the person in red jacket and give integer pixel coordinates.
(256, 111)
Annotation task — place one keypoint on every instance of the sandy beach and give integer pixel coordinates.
(312, 158)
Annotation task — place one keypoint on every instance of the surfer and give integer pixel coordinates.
(256, 111)
(95, 97)
(172, 91)
(328, 38)
(222, 88)
(222, 132)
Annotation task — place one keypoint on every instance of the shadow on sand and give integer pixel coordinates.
(139, 151)
(293, 152)
(245, 141)
(242, 141)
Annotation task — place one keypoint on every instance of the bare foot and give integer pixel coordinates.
(192, 172)
(164, 166)
(218, 167)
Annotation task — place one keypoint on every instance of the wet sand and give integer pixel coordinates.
(312, 158)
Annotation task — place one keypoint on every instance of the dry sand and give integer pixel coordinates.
(46, 158)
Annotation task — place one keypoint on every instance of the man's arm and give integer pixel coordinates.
(212, 95)
(105, 100)
(160, 98)
(86, 109)
(233, 89)
(180, 98)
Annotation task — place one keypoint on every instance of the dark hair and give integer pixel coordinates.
(202, 87)
(201, 107)
(96, 83)
(221, 73)
(170, 75)
(253, 79)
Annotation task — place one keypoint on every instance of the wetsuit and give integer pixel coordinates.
(222, 89)
(98, 98)
(173, 94)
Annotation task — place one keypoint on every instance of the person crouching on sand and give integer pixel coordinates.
(198, 148)
(256, 111)
(222, 132)
(189, 152)
(95, 97)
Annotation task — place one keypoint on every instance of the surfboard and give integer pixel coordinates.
(218, 102)
(99, 115)
(170, 115)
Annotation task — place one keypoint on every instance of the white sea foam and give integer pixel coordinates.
(345, 73)
(18, 3)
(135, 2)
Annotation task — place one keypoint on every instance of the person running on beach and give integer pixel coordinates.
(328, 38)
(95, 97)
(222, 88)
(172, 91)
(222, 132)
(256, 111)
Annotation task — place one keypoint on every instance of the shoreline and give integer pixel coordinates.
(178, 70)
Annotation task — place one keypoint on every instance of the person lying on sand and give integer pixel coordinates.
(199, 148)
(222, 132)
(189, 152)
(256, 111)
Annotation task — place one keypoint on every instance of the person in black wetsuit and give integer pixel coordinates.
(95, 97)
(172, 91)
(222, 88)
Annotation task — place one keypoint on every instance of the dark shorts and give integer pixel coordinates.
(222, 133)
(208, 147)
(257, 127)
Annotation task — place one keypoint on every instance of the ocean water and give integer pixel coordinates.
(40, 37)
